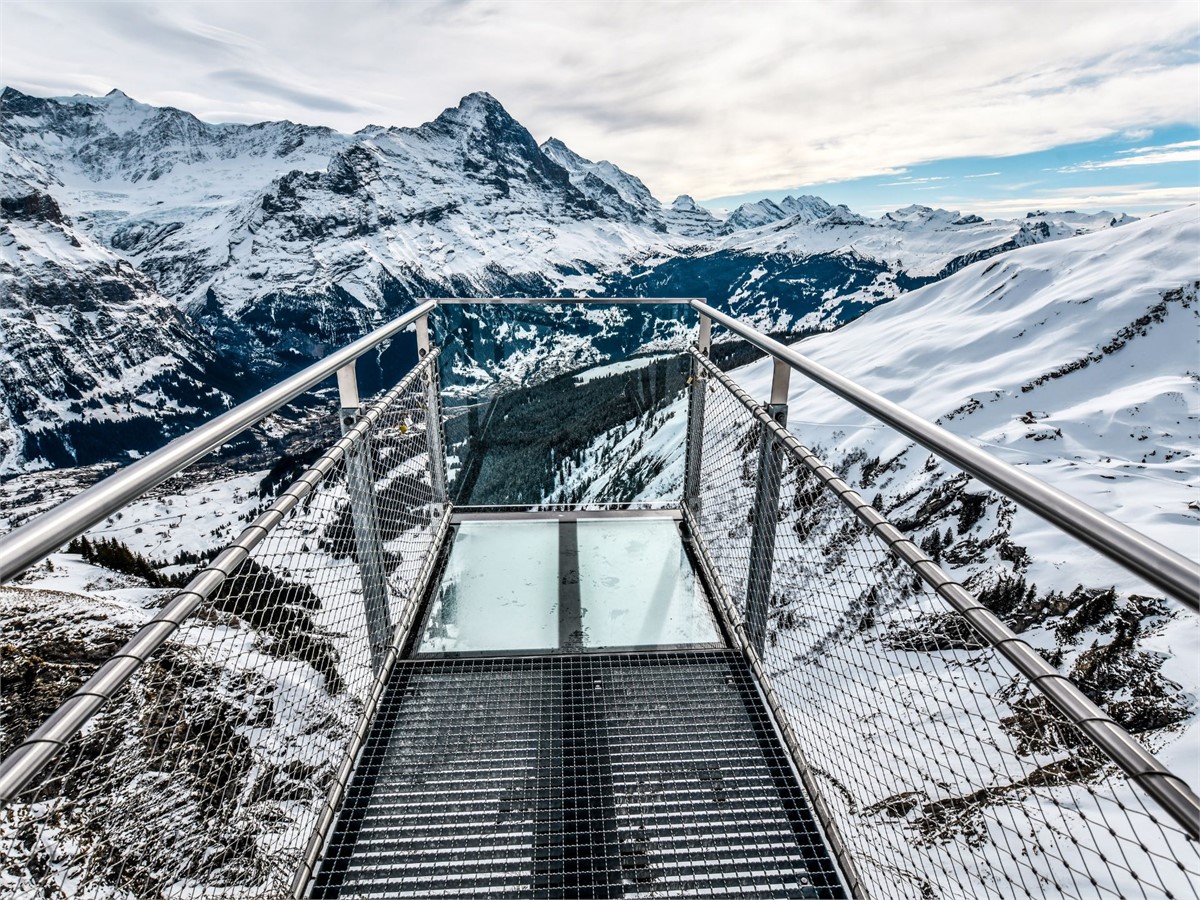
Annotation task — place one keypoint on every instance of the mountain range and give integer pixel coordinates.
(154, 267)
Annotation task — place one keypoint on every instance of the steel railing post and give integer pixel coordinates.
(433, 421)
(765, 513)
(695, 427)
(364, 514)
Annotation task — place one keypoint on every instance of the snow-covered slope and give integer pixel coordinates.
(93, 360)
(1076, 359)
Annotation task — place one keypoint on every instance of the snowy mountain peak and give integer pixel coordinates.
(116, 95)
(752, 215)
(15, 103)
(563, 155)
(684, 203)
(84, 140)
(916, 213)
(621, 194)
(480, 100)
(479, 137)
(477, 111)
(808, 205)
(806, 209)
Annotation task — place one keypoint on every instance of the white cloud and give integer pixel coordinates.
(1184, 151)
(925, 180)
(705, 98)
(1135, 198)
(1145, 159)
(1182, 145)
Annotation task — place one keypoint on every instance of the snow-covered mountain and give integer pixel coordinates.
(1076, 359)
(279, 240)
(95, 362)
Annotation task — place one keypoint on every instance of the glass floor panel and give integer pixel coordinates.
(585, 584)
(637, 587)
(499, 590)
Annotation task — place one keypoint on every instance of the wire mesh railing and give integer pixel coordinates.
(939, 768)
(217, 764)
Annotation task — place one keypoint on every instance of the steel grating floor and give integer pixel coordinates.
(580, 775)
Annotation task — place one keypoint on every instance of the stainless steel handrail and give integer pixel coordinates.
(1171, 792)
(1162, 567)
(26, 545)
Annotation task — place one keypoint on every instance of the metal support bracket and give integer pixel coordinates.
(695, 426)
(765, 513)
(364, 514)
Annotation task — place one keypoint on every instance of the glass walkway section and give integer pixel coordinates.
(520, 582)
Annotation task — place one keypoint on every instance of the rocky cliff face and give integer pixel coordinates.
(93, 360)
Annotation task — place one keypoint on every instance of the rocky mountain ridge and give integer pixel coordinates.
(279, 241)
(95, 360)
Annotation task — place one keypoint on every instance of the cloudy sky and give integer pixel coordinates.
(995, 107)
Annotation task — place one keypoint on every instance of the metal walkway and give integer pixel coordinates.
(581, 775)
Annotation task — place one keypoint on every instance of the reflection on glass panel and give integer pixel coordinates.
(637, 587)
(564, 404)
(499, 590)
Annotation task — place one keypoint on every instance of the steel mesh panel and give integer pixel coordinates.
(944, 770)
(728, 467)
(206, 773)
(579, 775)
